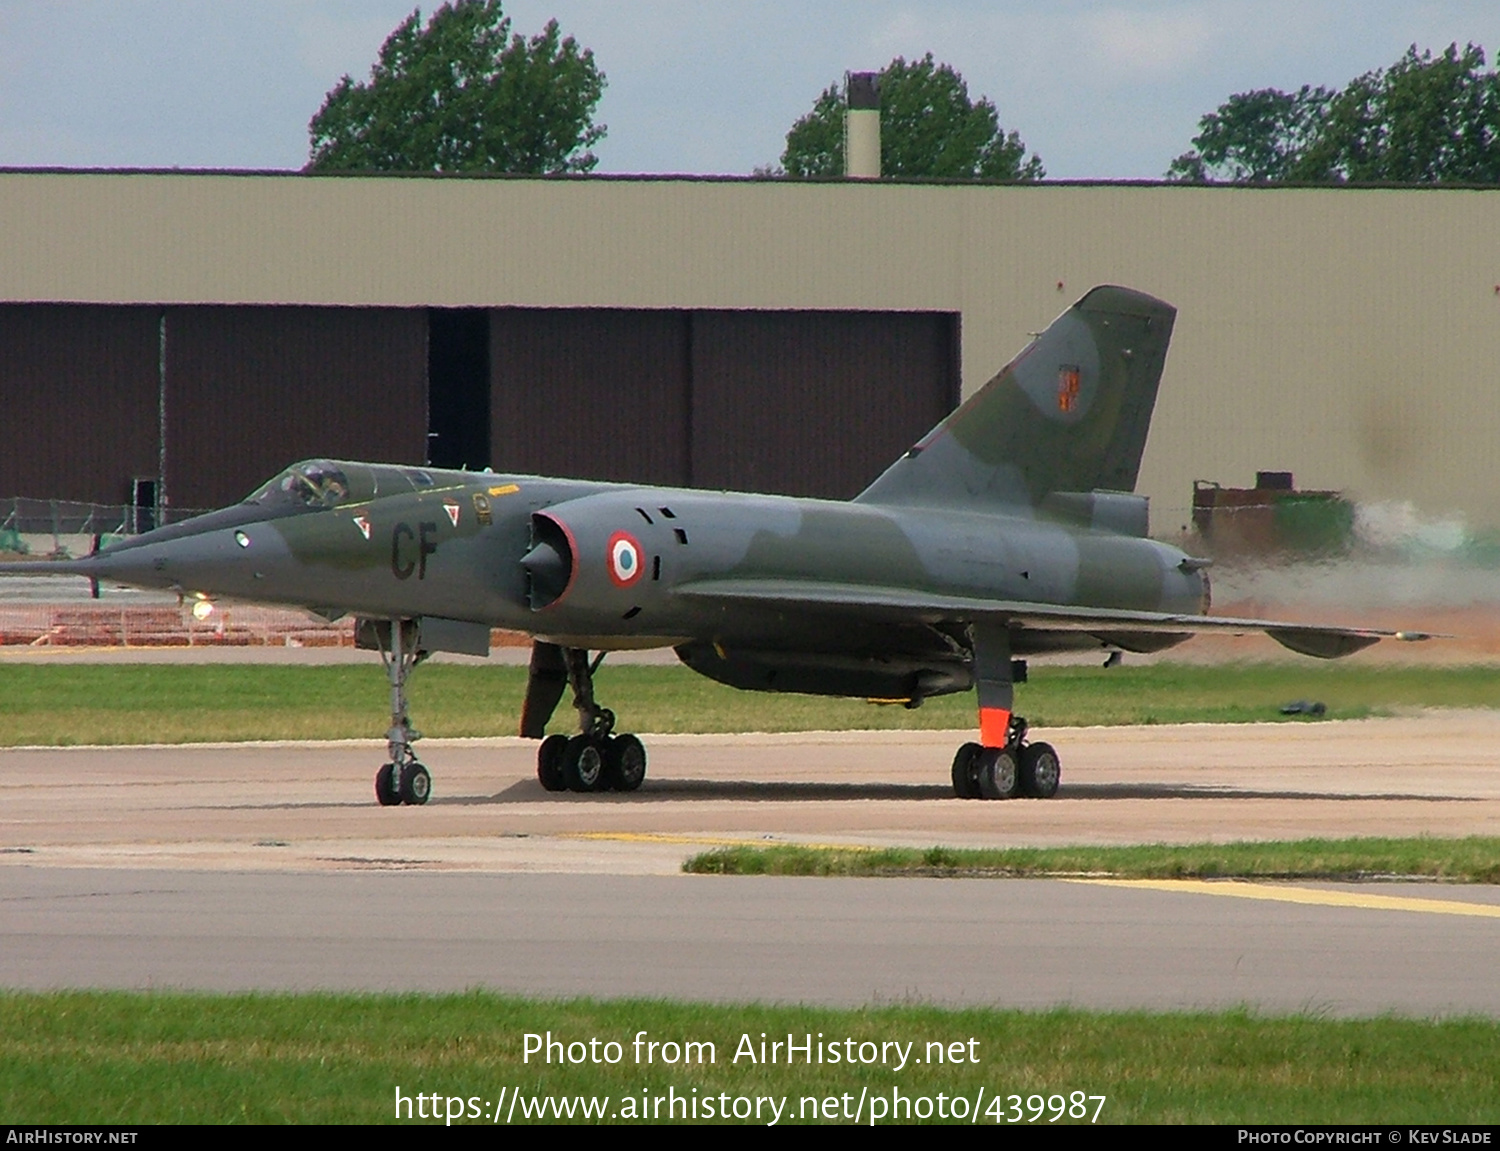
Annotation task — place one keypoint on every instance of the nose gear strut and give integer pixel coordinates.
(402, 780)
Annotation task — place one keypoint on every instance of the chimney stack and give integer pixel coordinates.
(862, 125)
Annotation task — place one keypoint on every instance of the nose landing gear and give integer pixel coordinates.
(402, 780)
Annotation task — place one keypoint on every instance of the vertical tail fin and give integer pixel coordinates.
(1069, 414)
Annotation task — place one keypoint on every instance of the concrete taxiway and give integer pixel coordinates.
(299, 806)
(269, 866)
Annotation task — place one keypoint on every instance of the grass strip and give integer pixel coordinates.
(60, 704)
(128, 1058)
(1472, 860)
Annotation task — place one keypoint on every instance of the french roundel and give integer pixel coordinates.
(624, 559)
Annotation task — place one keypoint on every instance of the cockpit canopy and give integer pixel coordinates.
(315, 485)
(310, 484)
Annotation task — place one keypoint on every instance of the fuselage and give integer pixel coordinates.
(599, 565)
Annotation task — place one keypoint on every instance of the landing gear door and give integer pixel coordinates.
(435, 634)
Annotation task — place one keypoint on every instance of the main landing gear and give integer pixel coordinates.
(403, 779)
(1002, 765)
(1017, 769)
(595, 759)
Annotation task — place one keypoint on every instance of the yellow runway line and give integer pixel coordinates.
(1279, 894)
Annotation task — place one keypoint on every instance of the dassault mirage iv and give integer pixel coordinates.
(1009, 530)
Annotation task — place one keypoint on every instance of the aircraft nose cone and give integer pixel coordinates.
(212, 560)
(547, 574)
(144, 567)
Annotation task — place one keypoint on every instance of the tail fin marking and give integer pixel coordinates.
(1069, 414)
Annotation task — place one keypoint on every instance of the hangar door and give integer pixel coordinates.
(203, 402)
(795, 402)
(79, 388)
(211, 400)
(250, 390)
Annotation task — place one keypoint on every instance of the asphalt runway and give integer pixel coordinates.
(269, 866)
(1018, 943)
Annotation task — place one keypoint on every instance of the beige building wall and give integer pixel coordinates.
(1349, 336)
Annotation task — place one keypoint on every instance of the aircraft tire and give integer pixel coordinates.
(1041, 771)
(583, 764)
(625, 763)
(999, 776)
(549, 761)
(385, 794)
(966, 771)
(416, 785)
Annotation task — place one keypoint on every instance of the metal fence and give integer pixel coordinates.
(65, 522)
(93, 625)
(165, 625)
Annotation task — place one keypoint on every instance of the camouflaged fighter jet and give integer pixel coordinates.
(1008, 531)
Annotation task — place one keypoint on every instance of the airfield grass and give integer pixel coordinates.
(127, 1058)
(1475, 859)
(63, 704)
(159, 1057)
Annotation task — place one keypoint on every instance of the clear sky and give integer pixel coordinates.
(1106, 90)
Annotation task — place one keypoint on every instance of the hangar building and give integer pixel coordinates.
(183, 336)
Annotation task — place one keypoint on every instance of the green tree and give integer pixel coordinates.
(1254, 136)
(928, 127)
(464, 95)
(1424, 120)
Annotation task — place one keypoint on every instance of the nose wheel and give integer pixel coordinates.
(411, 786)
(402, 780)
